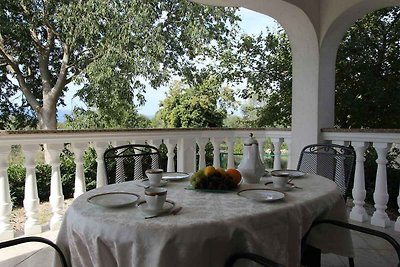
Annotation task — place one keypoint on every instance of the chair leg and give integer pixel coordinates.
(311, 257)
(351, 262)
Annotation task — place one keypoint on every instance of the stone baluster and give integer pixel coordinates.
(6, 231)
(186, 158)
(101, 178)
(80, 183)
(216, 151)
(277, 142)
(358, 212)
(56, 195)
(170, 144)
(381, 196)
(31, 200)
(201, 142)
(261, 151)
(155, 163)
(230, 141)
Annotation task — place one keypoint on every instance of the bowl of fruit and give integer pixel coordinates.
(215, 179)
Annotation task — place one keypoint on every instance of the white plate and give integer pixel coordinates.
(146, 182)
(114, 199)
(175, 175)
(168, 206)
(259, 194)
(290, 173)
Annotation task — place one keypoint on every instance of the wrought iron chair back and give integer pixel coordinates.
(129, 162)
(332, 161)
(27, 239)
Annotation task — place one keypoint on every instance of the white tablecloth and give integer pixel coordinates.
(210, 227)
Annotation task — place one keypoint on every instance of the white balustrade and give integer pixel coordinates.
(170, 144)
(6, 231)
(277, 142)
(56, 198)
(186, 158)
(101, 177)
(230, 142)
(358, 212)
(80, 183)
(31, 200)
(381, 196)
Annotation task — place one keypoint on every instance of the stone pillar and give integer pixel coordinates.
(6, 231)
(31, 200)
(101, 178)
(56, 195)
(397, 223)
(381, 196)
(186, 157)
(80, 183)
(358, 212)
(277, 142)
(170, 144)
(289, 159)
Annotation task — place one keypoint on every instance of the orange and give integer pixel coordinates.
(209, 170)
(235, 175)
(221, 171)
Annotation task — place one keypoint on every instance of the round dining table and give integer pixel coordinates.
(210, 227)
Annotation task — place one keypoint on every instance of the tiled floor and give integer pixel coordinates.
(369, 252)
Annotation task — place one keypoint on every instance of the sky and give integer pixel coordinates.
(252, 23)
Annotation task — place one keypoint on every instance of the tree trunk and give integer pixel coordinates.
(47, 115)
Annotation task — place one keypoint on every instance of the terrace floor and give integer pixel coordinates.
(370, 252)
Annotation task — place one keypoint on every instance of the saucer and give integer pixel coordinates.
(289, 173)
(261, 195)
(168, 206)
(175, 175)
(114, 199)
(146, 182)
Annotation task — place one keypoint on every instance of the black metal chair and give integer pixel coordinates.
(332, 161)
(129, 162)
(252, 257)
(27, 239)
(314, 260)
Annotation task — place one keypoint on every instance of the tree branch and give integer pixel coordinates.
(12, 66)
(62, 75)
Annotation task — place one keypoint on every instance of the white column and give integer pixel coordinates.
(230, 141)
(397, 223)
(186, 158)
(381, 196)
(170, 144)
(101, 178)
(358, 212)
(80, 183)
(6, 231)
(31, 200)
(216, 151)
(201, 142)
(56, 195)
(277, 142)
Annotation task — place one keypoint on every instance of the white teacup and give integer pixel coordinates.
(154, 176)
(280, 180)
(155, 197)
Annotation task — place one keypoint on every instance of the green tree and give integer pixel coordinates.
(202, 105)
(112, 47)
(368, 71)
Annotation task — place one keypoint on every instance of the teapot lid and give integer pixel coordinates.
(250, 141)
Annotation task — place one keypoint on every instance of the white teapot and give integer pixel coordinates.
(251, 167)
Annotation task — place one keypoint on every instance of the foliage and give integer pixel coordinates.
(97, 119)
(114, 48)
(197, 106)
(368, 71)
